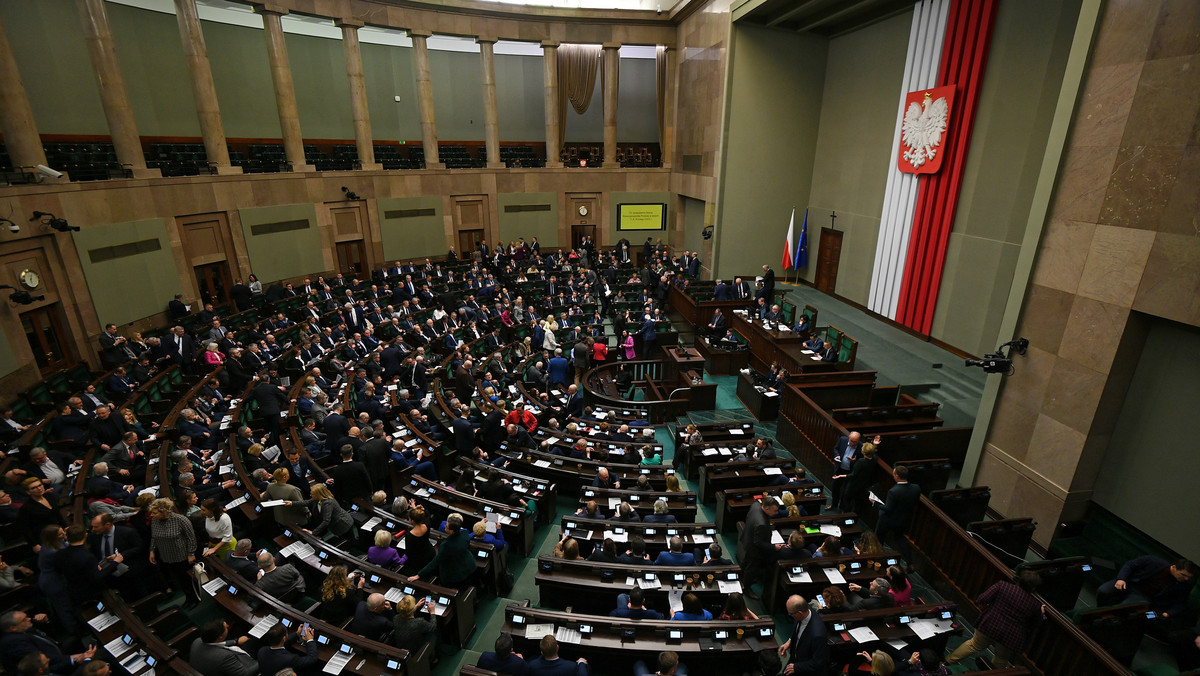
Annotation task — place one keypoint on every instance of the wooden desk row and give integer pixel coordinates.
(592, 586)
(613, 644)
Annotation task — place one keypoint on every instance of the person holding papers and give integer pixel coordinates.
(692, 610)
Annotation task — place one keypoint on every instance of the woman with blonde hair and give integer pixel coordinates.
(383, 553)
(332, 518)
(673, 484)
(410, 632)
(881, 663)
(289, 513)
(789, 505)
(173, 547)
(340, 594)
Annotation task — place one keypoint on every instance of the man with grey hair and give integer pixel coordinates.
(239, 560)
(878, 597)
(277, 580)
(50, 466)
(111, 489)
(18, 638)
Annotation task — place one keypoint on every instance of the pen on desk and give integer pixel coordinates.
(360, 664)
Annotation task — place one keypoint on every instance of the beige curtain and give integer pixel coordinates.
(577, 66)
(660, 63)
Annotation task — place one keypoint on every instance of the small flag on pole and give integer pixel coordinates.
(789, 250)
(802, 247)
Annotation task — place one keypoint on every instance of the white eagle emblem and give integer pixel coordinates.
(923, 129)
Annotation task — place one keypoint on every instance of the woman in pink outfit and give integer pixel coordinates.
(627, 343)
(212, 356)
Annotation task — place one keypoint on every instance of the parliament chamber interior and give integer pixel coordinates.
(599, 337)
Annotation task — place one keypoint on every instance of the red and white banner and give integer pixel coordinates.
(923, 130)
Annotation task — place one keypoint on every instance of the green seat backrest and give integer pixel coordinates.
(833, 335)
(844, 350)
(810, 314)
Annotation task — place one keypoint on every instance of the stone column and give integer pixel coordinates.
(21, 137)
(425, 100)
(491, 118)
(668, 134)
(203, 90)
(358, 93)
(285, 93)
(611, 79)
(113, 96)
(550, 77)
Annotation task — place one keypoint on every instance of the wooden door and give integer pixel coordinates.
(352, 258)
(828, 256)
(213, 283)
(44, 329)
(468, 240)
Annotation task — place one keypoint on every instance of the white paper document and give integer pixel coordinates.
(675, 600)
(117, 647)
(772, 470)
(803, 577)
(214, 585)
(103, 621)
(567, 635)
(371, 523)
(336, 663)
(835, 531)
(238, 502)
(262, 626)
(701, 538)
(776, 538)
(863, 634)
(834, 576)
(541, 463)
(729, 586)
(535, 632)
(272, 503)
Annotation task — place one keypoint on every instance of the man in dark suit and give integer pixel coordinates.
(376, 455)
(336, 427)
(845, 452)
(276, 580)
(768, 283)
(239, 560)
(878, 596)
(124, 457)
(180, 347)
(503, 660)
(176, 310)
(271, 402)
(18, 638)
(275, 655)
(112, 350)
(807, 650)
(300, 470)
(464, 432)
(648, 335)
(895, 514)
(108, 538)
(351, 481)
(214, 653)
(741, 289)
(574, 405)
(550, 664)
(716, 327)
(464, 381)
(373, 617)
(756, 542)
(85, 575)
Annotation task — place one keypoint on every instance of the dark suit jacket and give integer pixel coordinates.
(281, 580)
(351, 482)
(245, 567)
(15, 645)
(464, 435)
(756, 536)
(370, 625)
(809, 652)
(375, 455)
(216, 660)
(896, 512)
(336, 427)
(84, 580)
(271, 660)
(270, 400)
